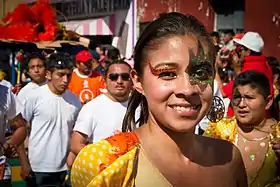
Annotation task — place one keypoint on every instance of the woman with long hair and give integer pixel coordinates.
(173, 78)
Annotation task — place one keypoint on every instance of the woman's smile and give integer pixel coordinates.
(185, 110)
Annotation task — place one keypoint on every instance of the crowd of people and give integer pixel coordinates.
(190, 111)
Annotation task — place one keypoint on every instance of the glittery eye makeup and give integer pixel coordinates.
(165, 71)
(200, 69)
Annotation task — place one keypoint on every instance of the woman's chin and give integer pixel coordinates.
(181, 127)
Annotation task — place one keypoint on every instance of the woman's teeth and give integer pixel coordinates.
(184, 109)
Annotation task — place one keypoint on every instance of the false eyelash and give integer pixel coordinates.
(158, 71)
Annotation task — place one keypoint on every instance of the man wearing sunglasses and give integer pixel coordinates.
(101, 117)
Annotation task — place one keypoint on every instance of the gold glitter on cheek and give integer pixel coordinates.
(201, 84)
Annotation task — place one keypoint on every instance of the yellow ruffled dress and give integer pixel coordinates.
(118, 161)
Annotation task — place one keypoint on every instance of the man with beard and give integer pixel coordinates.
(103, 116)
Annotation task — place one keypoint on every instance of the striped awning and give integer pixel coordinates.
(99, 26)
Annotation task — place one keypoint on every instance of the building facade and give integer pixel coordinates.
(239, 15)
(105, 21)
(7, 6)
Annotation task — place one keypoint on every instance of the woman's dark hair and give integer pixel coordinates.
(153, 36)
(120, 61)
(59, 61)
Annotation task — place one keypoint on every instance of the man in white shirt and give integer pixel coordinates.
(36, 69)
(10, 109)
(101, 117)
(52, 110)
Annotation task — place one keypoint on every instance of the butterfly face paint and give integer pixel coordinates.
(200, 69)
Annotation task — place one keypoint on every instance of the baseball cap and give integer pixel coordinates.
(83, 56)
(252, 41)
(238, 36)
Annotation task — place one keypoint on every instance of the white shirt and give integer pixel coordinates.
(99, 118)
(52, 118)
(10, 107)
(6, 83)
(23, 93)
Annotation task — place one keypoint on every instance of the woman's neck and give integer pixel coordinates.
(154, 135)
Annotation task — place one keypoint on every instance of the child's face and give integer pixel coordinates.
(249, 104)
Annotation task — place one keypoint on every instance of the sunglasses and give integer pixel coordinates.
(115, 76)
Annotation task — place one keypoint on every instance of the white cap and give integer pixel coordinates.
(252, 41)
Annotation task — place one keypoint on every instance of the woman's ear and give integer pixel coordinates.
(136, 81)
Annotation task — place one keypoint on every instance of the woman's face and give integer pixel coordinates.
(249, 105)
(177, 83)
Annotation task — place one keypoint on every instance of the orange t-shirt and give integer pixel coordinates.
(86, 87)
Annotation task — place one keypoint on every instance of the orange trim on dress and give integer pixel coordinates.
(121, 144)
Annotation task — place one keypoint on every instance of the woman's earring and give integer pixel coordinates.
(217, 110)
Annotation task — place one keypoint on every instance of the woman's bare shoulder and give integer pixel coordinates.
(215, 144)
(222, 152)
(219, 150)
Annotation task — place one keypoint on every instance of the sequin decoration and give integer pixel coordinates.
(217, 110)
(262, 144)
(252, 157)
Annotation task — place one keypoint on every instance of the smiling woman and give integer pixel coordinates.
(173, 80)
